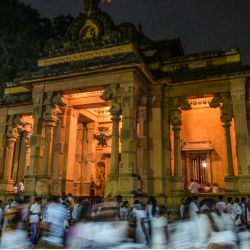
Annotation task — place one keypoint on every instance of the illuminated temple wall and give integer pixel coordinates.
(202, 124)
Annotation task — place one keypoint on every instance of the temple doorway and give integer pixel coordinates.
(87, 132)
(197, 162)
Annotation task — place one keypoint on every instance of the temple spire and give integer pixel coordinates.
(91, 6)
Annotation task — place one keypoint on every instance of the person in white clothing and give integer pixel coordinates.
(159, 230)
(194, 186)
(35, 212)
(193, 207)
(221, 205)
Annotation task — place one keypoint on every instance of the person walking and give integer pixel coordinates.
(35, 213)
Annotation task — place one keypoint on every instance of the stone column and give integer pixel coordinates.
(114, 166)
(70, 149)
(176, 123)
(51, 102)
(12, 137)
(155, 143)
(129, 179)
(50, 123)
(59, 153)
(27, 135)
(112, 94)
(175, 106)
(142, 149)
(36, 141)
(3, 127)
(224, 102)
(167, 171)
(238, 94)
(230, 169)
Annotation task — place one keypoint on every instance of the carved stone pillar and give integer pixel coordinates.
(36, 141)
(176, 123)
(167, 171)
(51, 103)
(224, 102)
(27, 151)
(129, 179)
(59, 152)
(12, 138)
(3, 126)
(50, 123)
(176, 105)
(155, 143)
(230, 169)
(111, 93)
(114, 166)
(6, 184)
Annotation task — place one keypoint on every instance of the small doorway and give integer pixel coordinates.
(198, 166)
(197, 162)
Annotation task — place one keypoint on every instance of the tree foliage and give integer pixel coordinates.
(23, 34)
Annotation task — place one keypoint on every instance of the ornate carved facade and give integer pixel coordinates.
(109, 111)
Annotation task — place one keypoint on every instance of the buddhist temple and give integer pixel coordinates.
(109, 111)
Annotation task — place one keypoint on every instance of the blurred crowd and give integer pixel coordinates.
(67, 222)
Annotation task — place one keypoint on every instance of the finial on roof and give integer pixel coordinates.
(91, 6)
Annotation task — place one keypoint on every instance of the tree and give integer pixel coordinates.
(23, 34)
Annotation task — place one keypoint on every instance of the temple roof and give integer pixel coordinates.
(93, 41)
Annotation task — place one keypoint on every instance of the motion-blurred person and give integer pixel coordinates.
(221, 205)
(159, 230)
(152, 211)
(34, 215)
(75, 211)
(1, 216)
(247, 212)
(182, 208)
(141, 234)
(25, 210)
(119, 199)
(57, 214)
(124, 211)
(194, 207)
(14, 237)
(6, 208)
(243, 208)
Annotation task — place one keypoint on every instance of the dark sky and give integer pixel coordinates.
(202, 25)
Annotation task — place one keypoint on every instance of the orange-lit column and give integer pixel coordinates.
(50, 123)
(28, 151)
(12, 138)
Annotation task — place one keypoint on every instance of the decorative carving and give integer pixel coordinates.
(102, 137)
(175, 106)
(107, 94)
(53, 102)
(224, 102)
(111, 93)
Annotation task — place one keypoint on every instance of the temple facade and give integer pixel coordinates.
(108, 111)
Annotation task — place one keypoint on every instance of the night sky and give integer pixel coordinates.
(202, 25)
